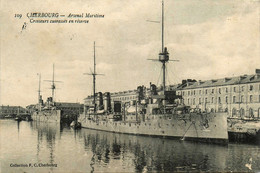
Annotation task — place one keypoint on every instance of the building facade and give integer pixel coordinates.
(238, 96)
(12, 110)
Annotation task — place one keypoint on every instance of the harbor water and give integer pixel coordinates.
(48, 147)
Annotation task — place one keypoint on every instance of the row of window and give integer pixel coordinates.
(220, 101)
(126, 98)
(12, 111)
(242, 113)
(219, 90)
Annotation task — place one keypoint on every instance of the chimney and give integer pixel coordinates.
(200, 82)
(226, 79)
(241, 77)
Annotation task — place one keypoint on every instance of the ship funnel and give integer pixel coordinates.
(107, 102)
(100, 100)
(153, 89)
(140, 92)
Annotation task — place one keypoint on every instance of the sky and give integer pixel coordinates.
(211, 39)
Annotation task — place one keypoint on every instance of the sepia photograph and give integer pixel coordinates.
(129, 86)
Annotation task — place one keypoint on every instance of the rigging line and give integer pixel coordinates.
(175, 76)
(183, 137)
(167, 76)
(159, 77)
(156, 69)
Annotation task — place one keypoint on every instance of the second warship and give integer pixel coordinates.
(52, 111)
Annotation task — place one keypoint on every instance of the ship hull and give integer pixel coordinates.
(197, 127)
(244, 130)
(54, 116)
(50, 116)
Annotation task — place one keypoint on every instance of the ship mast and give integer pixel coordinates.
(164, 55)
(94, 79)
(53, 86)
(39, 92)
(162, 25)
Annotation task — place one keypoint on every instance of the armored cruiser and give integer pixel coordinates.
(54, 112)
(155, 112)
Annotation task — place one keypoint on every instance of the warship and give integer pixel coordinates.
(52, 111)
(156, 112)
(244, 130)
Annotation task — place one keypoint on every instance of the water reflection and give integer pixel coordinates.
(48, 132)
(153, 154)
(95, 151)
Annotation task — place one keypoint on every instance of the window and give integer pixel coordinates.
(219, 100)
(226, 90)
(212, 100)
(194, 92)
(226, 99)
(251, 98)
(219, 90)
(251, 87)
(234, 112)
(234, 99)
(194, 101)
(226, 110)
(242, 99)
(199, 100)
(242, 113)
(206, 92)
(183, 93)
(188, 92)
(234, 89)
(212, 91)
(259, 98)
(188, 101)
(200, 92)
(206, 100)
(242, 88)
(251, 113)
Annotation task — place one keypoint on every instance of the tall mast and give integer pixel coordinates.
(164, 55)
(39, 92)
(53, 85)
(94, 79)
(162, 25)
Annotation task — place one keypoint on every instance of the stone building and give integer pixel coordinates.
(238, 96)
(12, 110)
(124, 96)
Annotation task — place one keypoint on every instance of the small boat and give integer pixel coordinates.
(18, 119)
(8, 116)
(75, 125)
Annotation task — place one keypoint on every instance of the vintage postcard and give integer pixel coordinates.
(130, 86)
